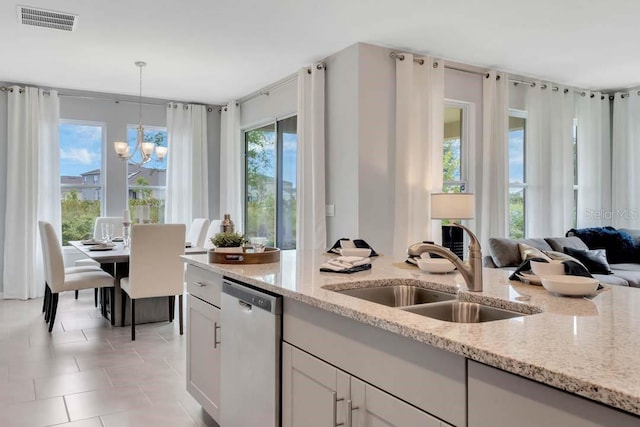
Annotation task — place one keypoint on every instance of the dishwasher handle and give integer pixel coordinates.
(253, 298)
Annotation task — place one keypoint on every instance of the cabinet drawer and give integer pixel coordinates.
(204, 284)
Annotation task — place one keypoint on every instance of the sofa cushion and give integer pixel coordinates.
(505, 251)
(559, 243)
(594, 259)
(620, 246)
(631, 277)
(611, 279)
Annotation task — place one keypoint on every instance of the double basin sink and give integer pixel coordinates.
(430, 303)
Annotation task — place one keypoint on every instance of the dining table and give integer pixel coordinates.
(115, 261)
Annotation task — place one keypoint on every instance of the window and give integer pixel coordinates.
(452, 180)
(80, 178)
(147, 184)
(517, 176)
(270, 182)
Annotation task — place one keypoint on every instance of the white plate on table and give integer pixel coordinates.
(530, 278)
(102, 247)
(91, 242)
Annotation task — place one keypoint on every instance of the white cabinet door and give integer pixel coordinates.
(316, 394)
(203, 354)
(313, 392)
(371, 407)
(498, 398)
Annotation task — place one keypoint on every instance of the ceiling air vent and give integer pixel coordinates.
(46, 18)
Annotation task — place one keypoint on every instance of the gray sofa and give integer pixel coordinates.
(504, 253)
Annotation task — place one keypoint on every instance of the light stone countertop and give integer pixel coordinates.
(589, 347)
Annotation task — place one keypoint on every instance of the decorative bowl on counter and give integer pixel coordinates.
(552, 268)
(435, 265)
(570, 285)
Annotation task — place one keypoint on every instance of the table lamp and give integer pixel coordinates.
(458, 206)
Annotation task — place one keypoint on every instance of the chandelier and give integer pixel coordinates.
(145, 148)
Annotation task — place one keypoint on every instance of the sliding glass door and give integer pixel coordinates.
(270, 182)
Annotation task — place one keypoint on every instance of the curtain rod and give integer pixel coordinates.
(420, 61)
(99, 98)
(267, 90)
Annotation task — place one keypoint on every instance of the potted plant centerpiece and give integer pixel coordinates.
(228, 241)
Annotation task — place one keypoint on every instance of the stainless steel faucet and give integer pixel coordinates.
(471, 271)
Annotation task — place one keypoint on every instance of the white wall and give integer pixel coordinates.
(341, 133)
(376, 137)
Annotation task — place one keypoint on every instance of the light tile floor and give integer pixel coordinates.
(87, 373)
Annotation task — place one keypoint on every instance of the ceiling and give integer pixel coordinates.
(212, 51)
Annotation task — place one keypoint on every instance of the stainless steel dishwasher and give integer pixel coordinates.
(250, 356)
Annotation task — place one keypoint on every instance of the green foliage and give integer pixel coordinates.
(78, 217)
(516, 215)
(156, 206)
(451, 159)
(228, 240)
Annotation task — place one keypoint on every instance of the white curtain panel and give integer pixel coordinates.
(231, 165)
(418, 150)
(625, 176)
(33, 161)
(187, 171)
(549, 160)
(493, 198)
(594, 160)
(311, 223)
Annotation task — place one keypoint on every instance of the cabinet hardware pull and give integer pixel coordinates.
(216, 343)
(335, 408)
(350, 409)
(199, 284)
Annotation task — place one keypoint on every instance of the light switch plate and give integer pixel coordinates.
(330, 210)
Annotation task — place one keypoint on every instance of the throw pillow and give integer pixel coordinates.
(528, 252)
(594, 260)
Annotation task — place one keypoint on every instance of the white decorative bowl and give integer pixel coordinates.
(553, 268)
(570, 285)
(435, 265)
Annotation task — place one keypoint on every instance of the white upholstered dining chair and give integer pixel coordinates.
(214, 228)
(58, 279)
(197, 232)
(97, 235)
(155, 267)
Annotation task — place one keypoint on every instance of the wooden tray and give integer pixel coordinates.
(269, 255)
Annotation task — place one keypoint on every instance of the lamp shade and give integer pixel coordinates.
(453, 205)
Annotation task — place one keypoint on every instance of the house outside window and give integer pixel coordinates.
(517, 176)
(147, 184)
(81, 146)
(270, 182)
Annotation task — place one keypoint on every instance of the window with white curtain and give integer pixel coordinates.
(270, 182)
(81, 145)
(517, 174)
(147, 184)
(453, 179)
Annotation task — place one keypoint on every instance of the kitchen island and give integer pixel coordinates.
(585, 347)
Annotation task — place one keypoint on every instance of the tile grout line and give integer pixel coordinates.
(66, 408)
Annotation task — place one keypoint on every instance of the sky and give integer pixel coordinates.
(80, 148)
(516, 155)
